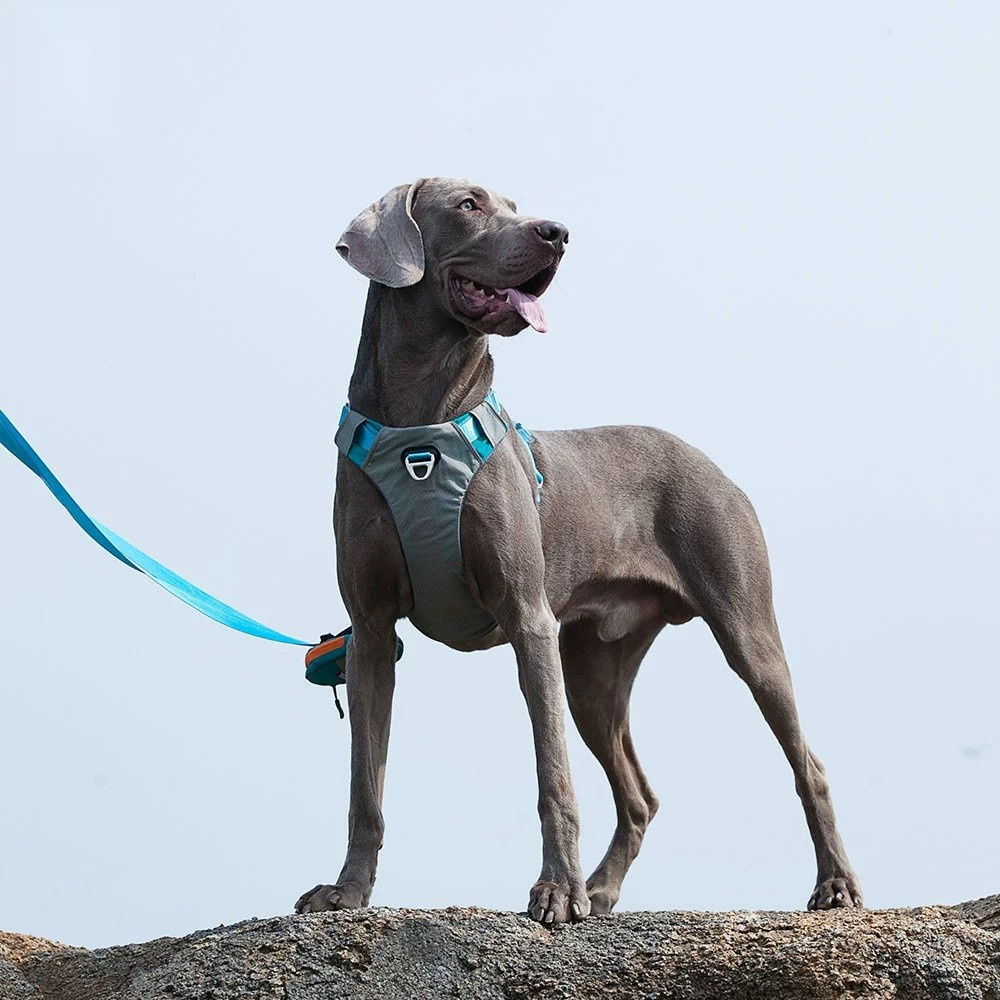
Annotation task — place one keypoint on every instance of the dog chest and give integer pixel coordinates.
(424, 473)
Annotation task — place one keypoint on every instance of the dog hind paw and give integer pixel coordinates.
(321, 898)
(836, 893)
(602, 901)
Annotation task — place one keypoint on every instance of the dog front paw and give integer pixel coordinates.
(836, 893)
(558, 902)
(331, 897)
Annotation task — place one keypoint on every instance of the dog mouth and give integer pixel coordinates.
(477, 301)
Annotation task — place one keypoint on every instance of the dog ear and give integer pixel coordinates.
(384, 241)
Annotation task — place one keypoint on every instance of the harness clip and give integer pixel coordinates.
(420, 463)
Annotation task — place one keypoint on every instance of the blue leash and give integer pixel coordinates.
(208, 605)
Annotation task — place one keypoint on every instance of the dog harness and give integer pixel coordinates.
(424, 473)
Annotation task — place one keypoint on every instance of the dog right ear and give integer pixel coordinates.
(384, 241)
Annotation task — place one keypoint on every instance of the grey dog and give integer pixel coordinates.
(636, 530)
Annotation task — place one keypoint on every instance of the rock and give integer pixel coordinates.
(380, 954)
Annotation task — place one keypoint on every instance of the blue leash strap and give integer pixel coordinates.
(201, 601)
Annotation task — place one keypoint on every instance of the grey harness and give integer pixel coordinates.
(424, 473)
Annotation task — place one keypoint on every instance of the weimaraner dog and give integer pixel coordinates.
(635, 530)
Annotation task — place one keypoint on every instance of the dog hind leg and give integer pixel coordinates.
(719, 550)
(598, 677)
(753, 649)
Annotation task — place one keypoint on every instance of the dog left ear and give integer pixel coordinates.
(384, 241)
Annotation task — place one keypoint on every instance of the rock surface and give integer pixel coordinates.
(926, 953)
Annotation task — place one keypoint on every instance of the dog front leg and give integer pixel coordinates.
(560, 894)
(371, 677)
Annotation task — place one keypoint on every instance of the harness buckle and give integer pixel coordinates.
(420, 463)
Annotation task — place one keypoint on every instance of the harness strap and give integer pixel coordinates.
(360, 431)
(356, 435)
(529, 439)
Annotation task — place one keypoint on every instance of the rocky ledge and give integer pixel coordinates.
(934, 951)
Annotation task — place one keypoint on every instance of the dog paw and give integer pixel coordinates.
(331, 897)
(836, 893)
(602, 901)
(557, 903)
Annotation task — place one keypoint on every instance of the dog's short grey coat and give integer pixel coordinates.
(637, 530)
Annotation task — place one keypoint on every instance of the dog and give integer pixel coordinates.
(635, 530)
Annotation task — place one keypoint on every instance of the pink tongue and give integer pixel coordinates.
(528, 306)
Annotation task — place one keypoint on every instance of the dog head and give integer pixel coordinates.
(484, 264)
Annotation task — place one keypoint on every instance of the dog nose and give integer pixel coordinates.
(553, 232)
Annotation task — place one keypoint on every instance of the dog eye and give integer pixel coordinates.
(468, 205)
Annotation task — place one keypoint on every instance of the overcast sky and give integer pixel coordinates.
(784, 249)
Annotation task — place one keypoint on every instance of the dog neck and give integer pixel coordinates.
(416, 365)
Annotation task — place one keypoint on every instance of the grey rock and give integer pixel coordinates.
(381, 954)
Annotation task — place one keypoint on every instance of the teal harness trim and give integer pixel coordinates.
(472, 430)
(529, 439)
(423, 473)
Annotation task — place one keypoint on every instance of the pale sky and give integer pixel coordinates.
(784, 249)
